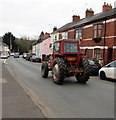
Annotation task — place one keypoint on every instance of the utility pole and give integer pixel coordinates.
(104, 43)
(28, 44)
(10, 43)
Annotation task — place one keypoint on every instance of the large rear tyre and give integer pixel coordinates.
(44, 70)
(84, 76)
(58, 71)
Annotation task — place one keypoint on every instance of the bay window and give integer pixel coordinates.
(65, 35)
(97, 31)
(78, 33)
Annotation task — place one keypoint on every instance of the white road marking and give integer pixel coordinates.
(4, 61)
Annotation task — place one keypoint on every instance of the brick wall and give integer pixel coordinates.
(71, 34)
(110, 39)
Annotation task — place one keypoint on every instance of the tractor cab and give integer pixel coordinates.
(68, 49)
(66, 46)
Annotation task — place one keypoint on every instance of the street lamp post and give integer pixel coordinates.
(10, 42)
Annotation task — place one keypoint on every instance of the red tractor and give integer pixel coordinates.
(66, 61)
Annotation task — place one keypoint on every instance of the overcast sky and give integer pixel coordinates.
(30, 17)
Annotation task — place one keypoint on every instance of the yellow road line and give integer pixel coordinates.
(3, 81)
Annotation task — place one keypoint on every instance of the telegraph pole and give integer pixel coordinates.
(10, 44)
(28, 44)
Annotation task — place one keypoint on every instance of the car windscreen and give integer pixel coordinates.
(16, 53)
(112, 64)
(91, 62)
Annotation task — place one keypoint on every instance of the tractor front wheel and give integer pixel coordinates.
(58, 71)
(84, 76)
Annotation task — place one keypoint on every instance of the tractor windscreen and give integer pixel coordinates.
(70, 47)
(56, 47)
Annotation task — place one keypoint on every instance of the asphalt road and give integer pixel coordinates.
(70, 100)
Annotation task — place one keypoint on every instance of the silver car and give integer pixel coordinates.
(4, 55)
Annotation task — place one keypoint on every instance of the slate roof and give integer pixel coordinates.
(39, 41)
(97, 17)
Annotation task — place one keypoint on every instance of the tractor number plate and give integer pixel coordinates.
(71, 59)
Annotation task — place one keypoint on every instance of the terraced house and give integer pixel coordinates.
(96, 33)
(41, 46)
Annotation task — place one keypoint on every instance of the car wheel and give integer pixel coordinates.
(40, 60)
(102, 75)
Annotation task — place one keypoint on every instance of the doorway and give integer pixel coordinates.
(109, 58)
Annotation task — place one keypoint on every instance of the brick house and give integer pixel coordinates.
(96, 33)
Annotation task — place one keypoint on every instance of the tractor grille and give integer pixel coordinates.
(70, 55)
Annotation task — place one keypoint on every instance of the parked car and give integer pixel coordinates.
(4, 55)
(29, 55)
(16, 55)
(108, 71)
(12, 54)
(25, 55)
(94, 66)
(35, 58)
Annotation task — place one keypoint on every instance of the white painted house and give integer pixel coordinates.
(36, 48)
(3, 46)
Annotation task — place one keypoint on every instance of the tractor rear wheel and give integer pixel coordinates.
(84, 76)
(58, 70)
(44, 70)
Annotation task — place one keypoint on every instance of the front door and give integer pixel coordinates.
(110, 50)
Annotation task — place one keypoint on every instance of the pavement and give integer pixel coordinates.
(15, 102)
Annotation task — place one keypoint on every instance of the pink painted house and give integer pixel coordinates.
(45, 48)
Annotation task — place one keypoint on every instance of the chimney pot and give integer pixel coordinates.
(89, 12)
(75, 18)
(54, 29)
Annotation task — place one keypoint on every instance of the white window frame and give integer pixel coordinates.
(97, 55)
(55, 37)
(65, 35)
(78, 33)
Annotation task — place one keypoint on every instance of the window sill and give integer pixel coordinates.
(97, 40)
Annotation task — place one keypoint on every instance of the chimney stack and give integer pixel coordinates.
(46, 35)
(75, 18)
(106, 7)
(42, 35)
(89, 12)
(54, 29)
